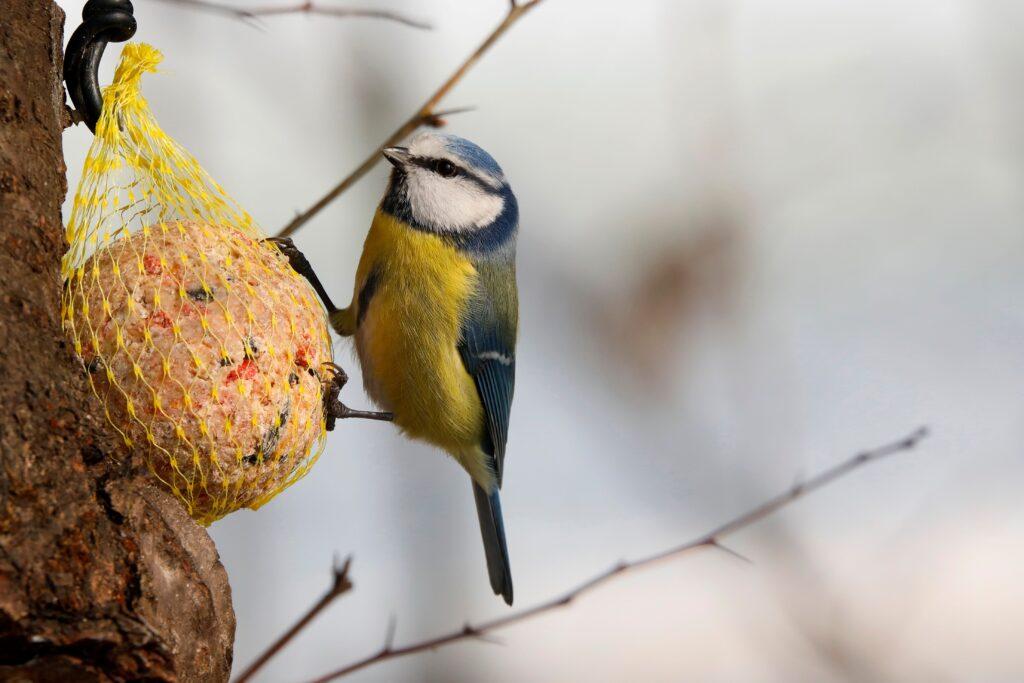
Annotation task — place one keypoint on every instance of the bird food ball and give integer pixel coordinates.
(207, 351)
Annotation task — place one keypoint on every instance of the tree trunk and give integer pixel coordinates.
(102, 577)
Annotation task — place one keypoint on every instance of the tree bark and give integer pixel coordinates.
(102, 577)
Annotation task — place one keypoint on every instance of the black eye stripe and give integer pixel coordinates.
(428, 164)
(431, 164)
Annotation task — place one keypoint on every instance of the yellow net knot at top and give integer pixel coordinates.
(126, 90)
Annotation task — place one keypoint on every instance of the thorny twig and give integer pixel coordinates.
(340, 585)
(307, 7)
(711, 539)
(425, 115)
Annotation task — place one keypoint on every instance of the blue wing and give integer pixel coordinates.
(487, 347)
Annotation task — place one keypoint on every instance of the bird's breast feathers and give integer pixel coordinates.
(409, 330)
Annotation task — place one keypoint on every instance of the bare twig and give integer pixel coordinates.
(340, 585)
(709, 540)
(308, 7)
(425, 115)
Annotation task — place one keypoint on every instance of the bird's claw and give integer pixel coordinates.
(335, 410)
(299, 263)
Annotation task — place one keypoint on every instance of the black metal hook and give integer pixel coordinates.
(103, 21)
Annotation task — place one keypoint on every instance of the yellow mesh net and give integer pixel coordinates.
(206, 349)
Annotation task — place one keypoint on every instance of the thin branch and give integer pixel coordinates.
(709, 540)
(729, 551)
(425, 115)
(340, 585)
(308, 7)
(389, 637)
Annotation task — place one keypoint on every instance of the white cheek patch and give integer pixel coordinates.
(450, 204)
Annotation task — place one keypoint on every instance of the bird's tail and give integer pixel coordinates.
(492, 530)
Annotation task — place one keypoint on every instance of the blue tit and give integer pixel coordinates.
(435, 314)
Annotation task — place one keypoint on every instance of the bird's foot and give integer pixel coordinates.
(296, 258)
(335, 410)
(301, 265)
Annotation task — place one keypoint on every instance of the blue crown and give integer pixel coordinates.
(472, 153)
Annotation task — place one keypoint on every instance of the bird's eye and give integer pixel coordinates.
(444, 168)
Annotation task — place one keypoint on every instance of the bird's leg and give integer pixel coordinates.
(300, 264)
(334, 409)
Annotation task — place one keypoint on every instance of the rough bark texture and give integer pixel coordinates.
(102, 577)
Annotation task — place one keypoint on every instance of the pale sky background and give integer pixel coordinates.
(757, 237)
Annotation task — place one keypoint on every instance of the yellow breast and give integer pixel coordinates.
(408, 336)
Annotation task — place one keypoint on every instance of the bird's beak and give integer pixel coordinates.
(398, 156)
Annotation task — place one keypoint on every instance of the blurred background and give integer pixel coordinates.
(757, 237)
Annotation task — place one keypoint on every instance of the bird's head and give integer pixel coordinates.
(446, 184)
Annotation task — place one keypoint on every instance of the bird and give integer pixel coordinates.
(434, 314)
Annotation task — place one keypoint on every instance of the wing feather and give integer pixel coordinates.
(487, 348)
